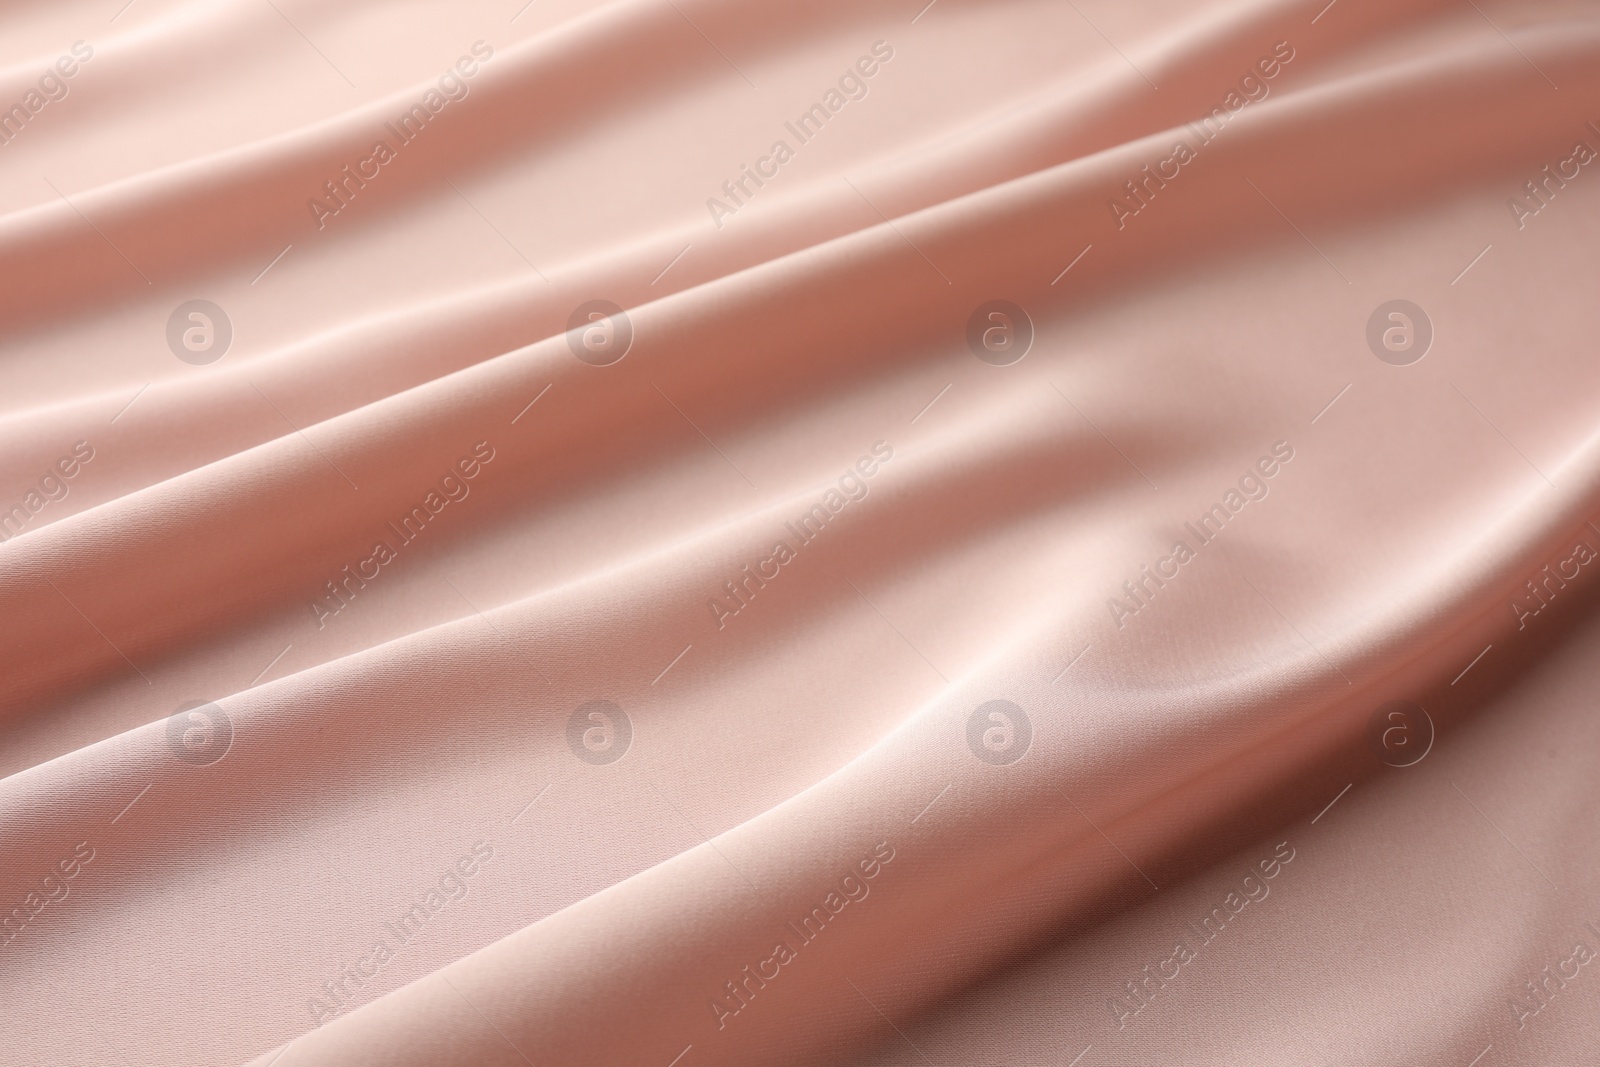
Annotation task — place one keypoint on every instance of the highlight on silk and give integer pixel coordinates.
(865, 533)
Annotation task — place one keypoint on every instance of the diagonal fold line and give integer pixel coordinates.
(303, 436)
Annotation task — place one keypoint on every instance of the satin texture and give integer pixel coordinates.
(865, 532)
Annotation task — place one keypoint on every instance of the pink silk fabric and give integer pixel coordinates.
(857, 532)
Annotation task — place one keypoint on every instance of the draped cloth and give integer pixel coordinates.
(699, 532)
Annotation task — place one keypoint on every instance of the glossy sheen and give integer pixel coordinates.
(692, 532)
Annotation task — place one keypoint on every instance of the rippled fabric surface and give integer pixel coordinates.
(691, 532)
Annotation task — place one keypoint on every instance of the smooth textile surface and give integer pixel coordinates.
(866, 532)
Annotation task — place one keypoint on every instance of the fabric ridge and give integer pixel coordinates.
(871, 533)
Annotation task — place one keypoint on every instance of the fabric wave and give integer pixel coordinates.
(865, 533)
